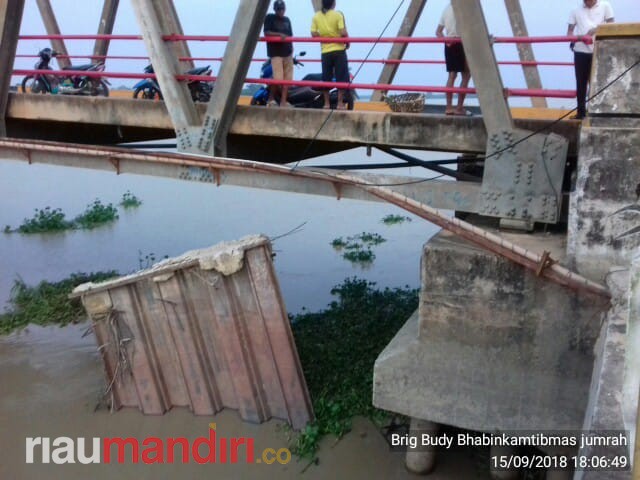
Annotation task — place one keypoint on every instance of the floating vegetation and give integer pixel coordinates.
(338, 347)
(45, 220)
(357, 248)
(129, 200)
(395, 219)
(48, 302)
(96, 214)
(48, 220)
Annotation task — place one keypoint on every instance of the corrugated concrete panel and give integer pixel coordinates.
(206, 330)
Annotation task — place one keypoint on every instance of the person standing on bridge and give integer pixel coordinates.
(584, 20)
(455, 60)
(330, 23)
(280, 53)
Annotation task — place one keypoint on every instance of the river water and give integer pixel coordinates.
(51, 378)
(177, 216)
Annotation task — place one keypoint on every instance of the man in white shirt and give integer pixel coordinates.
(584, 20)
(455, 60)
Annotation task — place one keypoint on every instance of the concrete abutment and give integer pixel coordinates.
(493, 348)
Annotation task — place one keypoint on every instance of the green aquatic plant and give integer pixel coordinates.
(129, 200)
(44, 220)
(47, 303)
(394, 219)
(338, 347)
(96, 214)
(357, 248)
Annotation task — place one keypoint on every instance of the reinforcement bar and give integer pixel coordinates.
(542, 265)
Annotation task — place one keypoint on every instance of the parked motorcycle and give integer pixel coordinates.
(69, 85)
(149, 89)
(299, 96)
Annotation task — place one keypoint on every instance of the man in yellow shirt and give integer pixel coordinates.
(330, 23)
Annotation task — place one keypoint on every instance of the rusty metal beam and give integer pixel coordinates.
(462, 196)
(51, 25)
(397, 50)
(197, 168)
(10, 20)
(107, 20)
(472, 27)
(525, 50)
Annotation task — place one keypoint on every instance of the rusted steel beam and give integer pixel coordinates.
(487, 240)
(51, 25)
(107, 20)
(494, 243)
(525, 50)
(397, 50)
(10, 20)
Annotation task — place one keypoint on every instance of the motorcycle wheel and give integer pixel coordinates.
(31, 85)
(147, 93)
(101, 90)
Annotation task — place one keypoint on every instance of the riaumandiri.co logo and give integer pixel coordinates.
(150, 450)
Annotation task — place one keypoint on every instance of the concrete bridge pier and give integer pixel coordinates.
(493, 347)
(421, 460)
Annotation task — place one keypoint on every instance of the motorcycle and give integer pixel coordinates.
(149, 89)
(299, 96)
(69, 85)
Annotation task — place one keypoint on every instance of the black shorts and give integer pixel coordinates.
(455, 59)
(335, 65)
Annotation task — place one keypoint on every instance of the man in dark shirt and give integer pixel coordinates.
(280, 53)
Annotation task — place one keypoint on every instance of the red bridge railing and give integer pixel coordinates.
(513, 92)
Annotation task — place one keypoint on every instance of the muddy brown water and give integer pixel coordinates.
(51, 380)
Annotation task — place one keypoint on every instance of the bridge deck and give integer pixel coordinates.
(277, 135)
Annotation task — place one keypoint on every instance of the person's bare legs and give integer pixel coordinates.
(283, 97)
(340, 105)
(466, 76)
(327, 101)
(450, 82)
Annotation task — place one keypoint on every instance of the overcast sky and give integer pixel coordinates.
(364, 19)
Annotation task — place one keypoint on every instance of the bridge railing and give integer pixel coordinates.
(511, 92)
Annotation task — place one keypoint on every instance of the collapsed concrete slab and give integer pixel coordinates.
(206, 330)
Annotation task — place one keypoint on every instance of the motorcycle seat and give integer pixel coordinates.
(198, 71)
(89, 66)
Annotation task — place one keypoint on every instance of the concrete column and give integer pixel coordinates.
(502, 474)
(472, 27)
(397, 50)
(237, 58)
(421, 460)
(169, 18)
(10, 20)
(176, 94)
(107, 19)
(51, 25)
(317, 5)
(525, 50)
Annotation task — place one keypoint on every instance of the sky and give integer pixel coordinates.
(215, 17)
